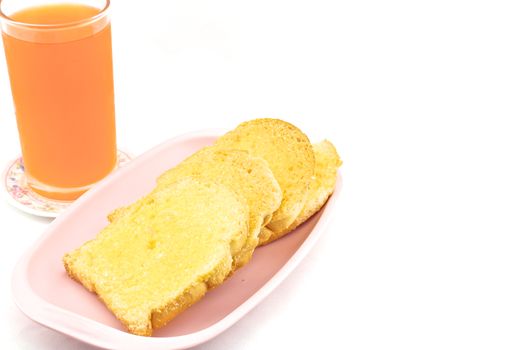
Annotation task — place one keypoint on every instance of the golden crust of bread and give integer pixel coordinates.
(288, 152)
(162, 255)
(327, 161)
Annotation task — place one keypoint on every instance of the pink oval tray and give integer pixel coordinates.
(43, 291)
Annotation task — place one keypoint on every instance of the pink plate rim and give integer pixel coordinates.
(97, 334)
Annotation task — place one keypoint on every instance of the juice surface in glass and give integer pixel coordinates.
(62, 85)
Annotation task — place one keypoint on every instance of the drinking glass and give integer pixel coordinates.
(61, 73)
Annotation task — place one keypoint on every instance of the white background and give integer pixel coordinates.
(425, 102)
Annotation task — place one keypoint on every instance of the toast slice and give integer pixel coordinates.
(289, 154)
(162, 256)
(327, 161)
(248, 176)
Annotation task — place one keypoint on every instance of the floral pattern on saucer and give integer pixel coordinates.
(23, 198)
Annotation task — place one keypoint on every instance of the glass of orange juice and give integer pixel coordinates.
(59, 60)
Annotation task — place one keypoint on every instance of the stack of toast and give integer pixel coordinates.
(203, 221)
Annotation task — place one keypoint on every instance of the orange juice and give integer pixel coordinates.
(62, 85)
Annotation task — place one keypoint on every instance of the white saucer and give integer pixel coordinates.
(20, 195)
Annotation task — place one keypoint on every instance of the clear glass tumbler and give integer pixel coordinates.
(61, 72)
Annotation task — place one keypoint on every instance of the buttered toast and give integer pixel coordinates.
(291, 158)
(163, 255)
(203, 220)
